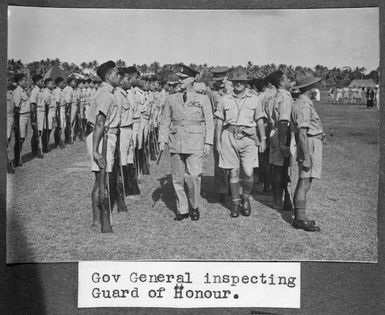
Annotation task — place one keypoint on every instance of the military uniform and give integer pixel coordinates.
(49, 101)
(282, 104)
(37, 98)
(186, 126)
(126, 121)
(21, 101)
(304, 115)
(242, 114)
(105, 102)
(135, 124)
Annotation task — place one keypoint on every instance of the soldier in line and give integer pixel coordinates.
(187, 128)
(266, 100)
(221, 176)
(309, 134)
(50, 112)
(238, 116)
(22, 116)
(58, 96)
(71, 107)
(37, 115)
(82, 96)
(130, 171)
(105, 117)
(279, 139)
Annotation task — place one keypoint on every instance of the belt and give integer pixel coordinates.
(113, 130)
(319, 136)
(187, 123)
(239, 133)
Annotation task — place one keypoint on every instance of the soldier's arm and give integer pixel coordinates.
(219, 114)
(284, 119)
(209, 120)
(260, 117)
(304, 147)
(16, 101)
(97, 136)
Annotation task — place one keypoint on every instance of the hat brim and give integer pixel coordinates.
(219, 78)
(182, 75)
(311, 82)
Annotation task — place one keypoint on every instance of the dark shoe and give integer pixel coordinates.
(194, 214)
(245, 207)
(306, 225)
(235, 211)
(180, 217)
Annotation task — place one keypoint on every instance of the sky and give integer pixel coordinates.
(306, 37)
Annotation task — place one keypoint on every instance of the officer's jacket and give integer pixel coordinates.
(187, 126)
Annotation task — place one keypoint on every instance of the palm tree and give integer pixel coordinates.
(120, 63)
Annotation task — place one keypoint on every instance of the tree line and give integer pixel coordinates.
(330, 76)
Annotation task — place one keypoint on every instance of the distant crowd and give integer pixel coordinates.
(355, 95)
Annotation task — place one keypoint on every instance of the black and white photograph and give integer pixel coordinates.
(198, 135)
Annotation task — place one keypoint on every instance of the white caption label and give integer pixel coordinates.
(189, 284)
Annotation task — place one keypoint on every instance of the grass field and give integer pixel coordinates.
(49, 209)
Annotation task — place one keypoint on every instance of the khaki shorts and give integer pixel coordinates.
(315, 150)
(40, 120)
(111, 145)
(125, 141)
(51, 118)
(24, 123)
(10, 120)
(233, 151)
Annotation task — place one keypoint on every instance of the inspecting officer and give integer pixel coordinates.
(187, 128)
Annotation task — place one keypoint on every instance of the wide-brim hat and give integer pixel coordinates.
(304, 78)
(186, 71)
(238, 75)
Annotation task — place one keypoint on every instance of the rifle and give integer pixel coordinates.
(47, 126)
(287, 175)
(104, 201)
(17, 145)
(160, 155)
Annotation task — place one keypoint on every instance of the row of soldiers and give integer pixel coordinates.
(249, 124)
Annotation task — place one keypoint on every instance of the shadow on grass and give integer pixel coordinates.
(165, 193)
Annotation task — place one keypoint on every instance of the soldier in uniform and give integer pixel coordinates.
(309, 135)
(22, 116)
(58, 96)
(279, 139)
(37, 115)
(71, 100)
(50, 110)
(187, 128)
(238, 116)
(221, 176)
(104, 115)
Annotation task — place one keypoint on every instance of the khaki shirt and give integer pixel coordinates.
(57, 96)
(106, 103)
(68, 94)
(240, 112)
(304, 115)
(37, 98)
(187, 126)
(48, 98)
(20, 99)
(124, 106)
